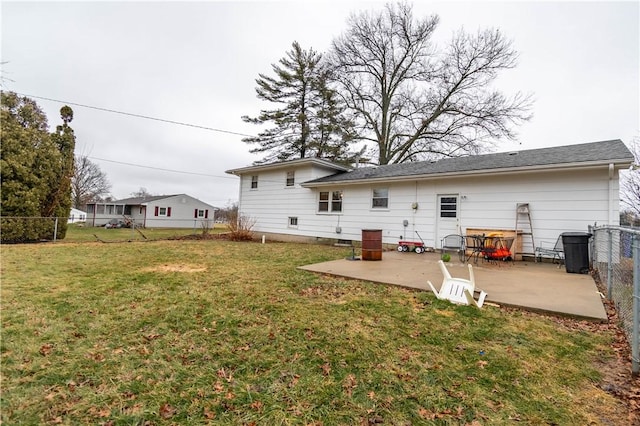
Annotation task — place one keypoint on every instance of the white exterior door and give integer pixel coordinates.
(447, 221)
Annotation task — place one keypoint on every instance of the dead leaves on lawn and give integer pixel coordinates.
(167, 411)
(457, 414)
(46, 349)
(349, 384)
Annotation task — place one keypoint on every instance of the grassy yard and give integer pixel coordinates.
(78, 233)
(197, 332)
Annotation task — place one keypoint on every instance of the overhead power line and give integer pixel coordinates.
(139, 115)
(162, 169)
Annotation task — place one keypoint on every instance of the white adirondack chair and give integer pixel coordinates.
(458, 290)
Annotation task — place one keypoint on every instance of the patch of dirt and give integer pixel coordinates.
(176, 268)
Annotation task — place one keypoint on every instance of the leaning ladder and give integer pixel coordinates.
(523, 223)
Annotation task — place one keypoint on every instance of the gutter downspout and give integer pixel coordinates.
(239, 198)
(610, 195)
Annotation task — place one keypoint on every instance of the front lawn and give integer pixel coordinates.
(196, 332)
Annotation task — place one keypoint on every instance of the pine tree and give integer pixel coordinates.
(33, 166)
(309, 121)
(59, 201)
(334, 132)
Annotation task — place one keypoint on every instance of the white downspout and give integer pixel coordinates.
(611, 197)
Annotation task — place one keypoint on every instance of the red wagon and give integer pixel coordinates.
(406, 245)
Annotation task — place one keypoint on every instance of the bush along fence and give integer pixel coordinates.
(32, 229)
(615, 256)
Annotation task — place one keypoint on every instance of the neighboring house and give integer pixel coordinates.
(567, 188)
(76, 216)
(162, 211)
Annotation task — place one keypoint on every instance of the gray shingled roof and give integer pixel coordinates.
(140, 200)
(594, 152)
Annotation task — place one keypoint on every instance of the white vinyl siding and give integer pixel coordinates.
(560, 201)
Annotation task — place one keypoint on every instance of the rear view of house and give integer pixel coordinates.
(564, 188)
(163, 211)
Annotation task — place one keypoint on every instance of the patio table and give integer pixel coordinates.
(490, 247)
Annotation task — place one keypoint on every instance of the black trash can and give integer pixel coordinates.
(576, 252)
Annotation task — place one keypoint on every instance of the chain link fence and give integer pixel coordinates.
(616, 259)
(41, 229)
(29, 229)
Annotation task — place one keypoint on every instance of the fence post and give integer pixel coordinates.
(55, 230)
(635, 338)
(610, 264)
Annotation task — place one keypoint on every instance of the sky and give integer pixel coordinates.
(196, 63)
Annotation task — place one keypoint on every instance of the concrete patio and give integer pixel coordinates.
(533, 286)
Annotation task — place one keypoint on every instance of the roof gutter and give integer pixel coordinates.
(621, 163)
(288, 165)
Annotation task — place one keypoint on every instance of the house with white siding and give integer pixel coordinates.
(162, 211)
(76, 215)
(566, 188)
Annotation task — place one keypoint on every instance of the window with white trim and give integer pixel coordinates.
(162, 211)
(254, 182)
(330, 201)
(380, 198)
(291, 178)
(293, 222)
(200, 213)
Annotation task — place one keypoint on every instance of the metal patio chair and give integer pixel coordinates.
(556, 253)
(453, 243)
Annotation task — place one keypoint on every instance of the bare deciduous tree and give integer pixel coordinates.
(415, 102)
(630, 183)
(89, 183)
(142, 193)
